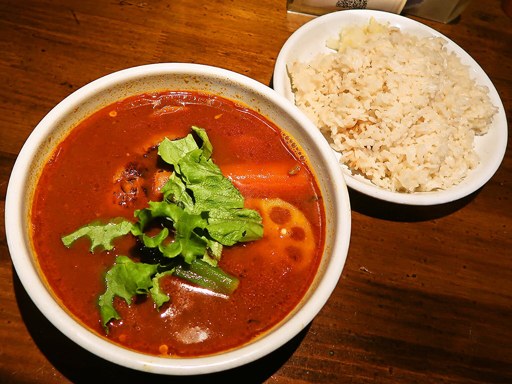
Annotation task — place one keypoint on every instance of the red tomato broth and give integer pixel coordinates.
(78, 185)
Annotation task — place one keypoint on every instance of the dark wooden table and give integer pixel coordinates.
(426, 294)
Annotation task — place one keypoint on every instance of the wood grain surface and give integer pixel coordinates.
(426, 293)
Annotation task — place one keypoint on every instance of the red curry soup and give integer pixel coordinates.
(101, 179)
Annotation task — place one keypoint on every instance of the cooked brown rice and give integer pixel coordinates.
(401, 110)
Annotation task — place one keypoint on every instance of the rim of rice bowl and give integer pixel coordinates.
(310, 40)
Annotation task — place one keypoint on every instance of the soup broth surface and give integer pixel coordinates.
(108, 167)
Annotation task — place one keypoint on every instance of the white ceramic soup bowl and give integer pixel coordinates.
(157, 77)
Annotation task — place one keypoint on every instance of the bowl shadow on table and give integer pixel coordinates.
(80, 366)
(385, 210)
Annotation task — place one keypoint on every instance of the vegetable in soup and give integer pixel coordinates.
(178, 223)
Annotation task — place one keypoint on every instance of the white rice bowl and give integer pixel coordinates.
(406, 129)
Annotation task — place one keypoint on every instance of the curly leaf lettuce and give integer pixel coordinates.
(201, 212)
(125, 279)
(100, 234)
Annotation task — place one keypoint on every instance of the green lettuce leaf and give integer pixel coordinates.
(155, 241)
(125, 279)
(210, 188)
(206, 147)
(156, 209)
(175, 191)
(230, 226)
(159, 297)
(201, 212)
(100, 234)
(171, 151)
